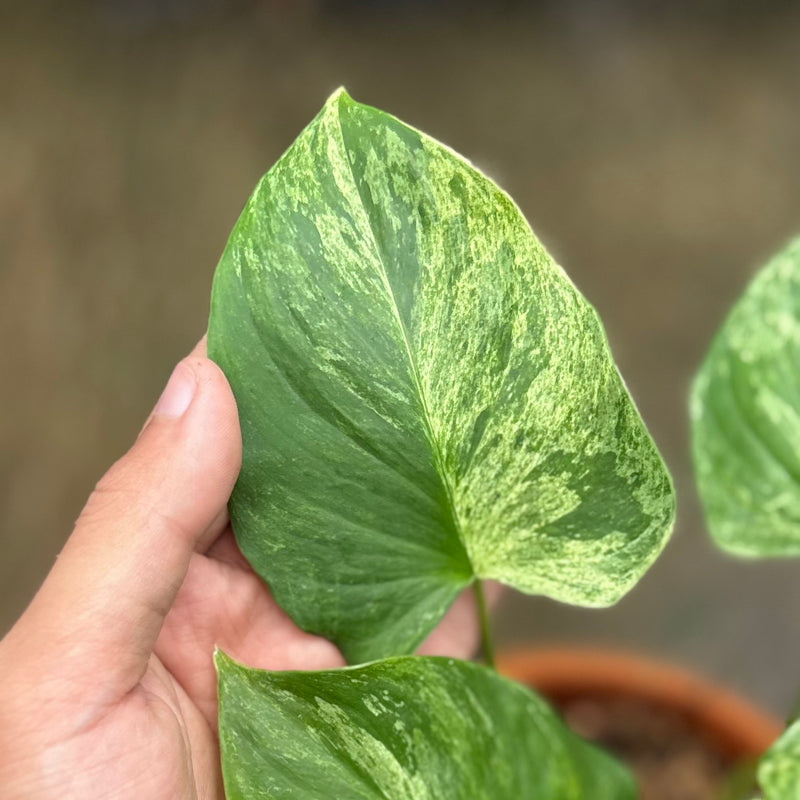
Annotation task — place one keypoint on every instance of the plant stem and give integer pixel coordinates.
(483, 619)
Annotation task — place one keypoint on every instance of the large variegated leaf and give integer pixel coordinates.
(402, 729)
(745, 412)
(779, 770)
(424, 396)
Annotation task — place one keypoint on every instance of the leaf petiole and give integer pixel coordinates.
(483, 620)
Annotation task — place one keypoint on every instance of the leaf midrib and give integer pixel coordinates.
(438, 456)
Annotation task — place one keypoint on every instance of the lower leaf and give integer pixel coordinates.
(406, 728)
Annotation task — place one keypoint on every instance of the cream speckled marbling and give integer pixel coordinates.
(745, 412)
(406, 728)
(425, 397)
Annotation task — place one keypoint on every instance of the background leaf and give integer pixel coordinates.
(425, 397)
(745, 411)
(402, 729)
(779, 770)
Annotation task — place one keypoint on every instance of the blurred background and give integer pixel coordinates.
(653, 147)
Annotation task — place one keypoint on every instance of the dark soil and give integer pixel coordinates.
(669, 757)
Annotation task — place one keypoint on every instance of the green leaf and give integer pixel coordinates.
(402, 729)
(745, 411)
(779, 770)
(425, 397)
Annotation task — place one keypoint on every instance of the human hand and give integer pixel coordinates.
(108, 684)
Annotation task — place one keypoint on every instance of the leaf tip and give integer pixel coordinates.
(339, 96)
(221, 659)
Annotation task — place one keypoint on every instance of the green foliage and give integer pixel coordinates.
(401, 729)
(779, 770)
(425, 397)
(745, 412)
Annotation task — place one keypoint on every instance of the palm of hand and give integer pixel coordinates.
(174, 706)
(159, 739)
(109, 687)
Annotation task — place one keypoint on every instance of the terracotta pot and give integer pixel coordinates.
(740, 730)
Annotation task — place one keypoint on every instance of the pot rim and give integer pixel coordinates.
(741, 730)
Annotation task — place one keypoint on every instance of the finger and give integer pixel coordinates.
(226, 550)
(225, 604)
(198, 351)
(102, 606)
(218, 526)
(458, 634)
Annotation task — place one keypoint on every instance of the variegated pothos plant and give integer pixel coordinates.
(426, 402)
(745, 413)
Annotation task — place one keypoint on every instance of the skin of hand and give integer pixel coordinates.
(107, 684)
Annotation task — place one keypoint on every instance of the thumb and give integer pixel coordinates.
(103, 604)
